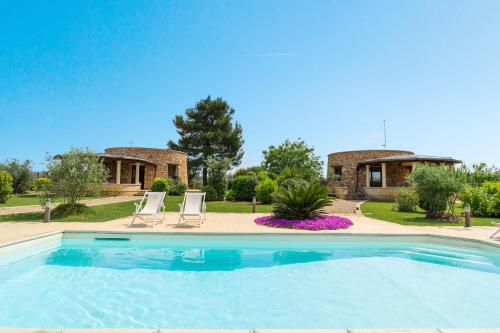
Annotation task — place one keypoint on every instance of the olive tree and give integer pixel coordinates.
(76, 173)
(435, 185)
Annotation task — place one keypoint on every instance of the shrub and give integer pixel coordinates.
(405, 199)
(210, 193)
(77, 173)
(217, 176)
(481, 202)
(42, 185)
(264, 190)
(5, 186)
(491, 187)
(230, 195)
(248, 171)
(178, 189)
(300, 201)
(435, 185)
(161, 184)
(244, 187)
(22, 174)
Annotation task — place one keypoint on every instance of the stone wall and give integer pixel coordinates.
(158, 156)
(348, 160)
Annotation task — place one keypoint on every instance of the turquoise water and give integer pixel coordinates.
(248, 283)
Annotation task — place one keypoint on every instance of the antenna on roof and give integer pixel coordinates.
(385, 137)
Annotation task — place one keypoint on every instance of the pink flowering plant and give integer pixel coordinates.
(300, 206)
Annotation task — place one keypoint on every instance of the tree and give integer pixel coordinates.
(293, 156)
(77, 173)
(435, 186)
(22, 175)
(207, 131)
(5, 186)
(217, 176)
(478, 174)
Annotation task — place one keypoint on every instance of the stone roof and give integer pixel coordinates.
(411, 158)
(124, 158)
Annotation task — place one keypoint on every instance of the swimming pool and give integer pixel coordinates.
(248, 281)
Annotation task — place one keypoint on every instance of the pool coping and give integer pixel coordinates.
(262, 330)
(248, 234)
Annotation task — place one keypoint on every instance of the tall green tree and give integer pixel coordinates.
(293, 156)
(207, 131)
(22, 174)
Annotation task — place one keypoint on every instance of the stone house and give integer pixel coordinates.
(375, 174)
(132, 169)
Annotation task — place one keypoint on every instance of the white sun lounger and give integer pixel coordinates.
(494, 235)
(193, 207)
(150, 207)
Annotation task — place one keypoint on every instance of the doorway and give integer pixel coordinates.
(375, 176)
(142, 170)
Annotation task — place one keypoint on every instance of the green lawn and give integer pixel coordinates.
(383, 211)
(113, 211)
(28, 199)
(219, 206)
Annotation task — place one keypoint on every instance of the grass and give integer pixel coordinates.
(28, 200)
(383, 210)
(219, 206)
(113, 211)
(100, 213)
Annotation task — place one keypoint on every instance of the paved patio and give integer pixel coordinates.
(234, 223)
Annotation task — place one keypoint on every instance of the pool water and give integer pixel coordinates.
(249, 282)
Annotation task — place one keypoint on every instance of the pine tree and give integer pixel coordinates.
(207, 131)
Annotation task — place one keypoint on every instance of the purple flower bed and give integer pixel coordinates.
(320, 222)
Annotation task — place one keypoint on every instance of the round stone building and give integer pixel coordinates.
(132, 169)
(374, 174)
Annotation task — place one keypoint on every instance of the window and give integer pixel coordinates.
(337, 172)
(375, 176)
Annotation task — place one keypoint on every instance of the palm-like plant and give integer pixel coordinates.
(300, 201)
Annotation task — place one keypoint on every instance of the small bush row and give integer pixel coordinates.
(161, 184)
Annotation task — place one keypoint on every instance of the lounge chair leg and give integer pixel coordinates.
(493, 235)
(131, 223)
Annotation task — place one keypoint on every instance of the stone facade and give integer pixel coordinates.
(160, 160)
(348, 162)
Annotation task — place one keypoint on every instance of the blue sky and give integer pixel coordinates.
(107, 73)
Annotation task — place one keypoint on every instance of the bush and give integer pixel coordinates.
(264, 190)
(230, 195)
(65, 210)
(22, 175)
(244, 187)
(300, 201)
(210, 193)
(42, 185)
(161, 184)
(5, 186)
(248, 171)
(77, 173)
(405, 199)
(481, 202)
(435, 185)
(217, 176)
(491, 187)
(178, 189)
